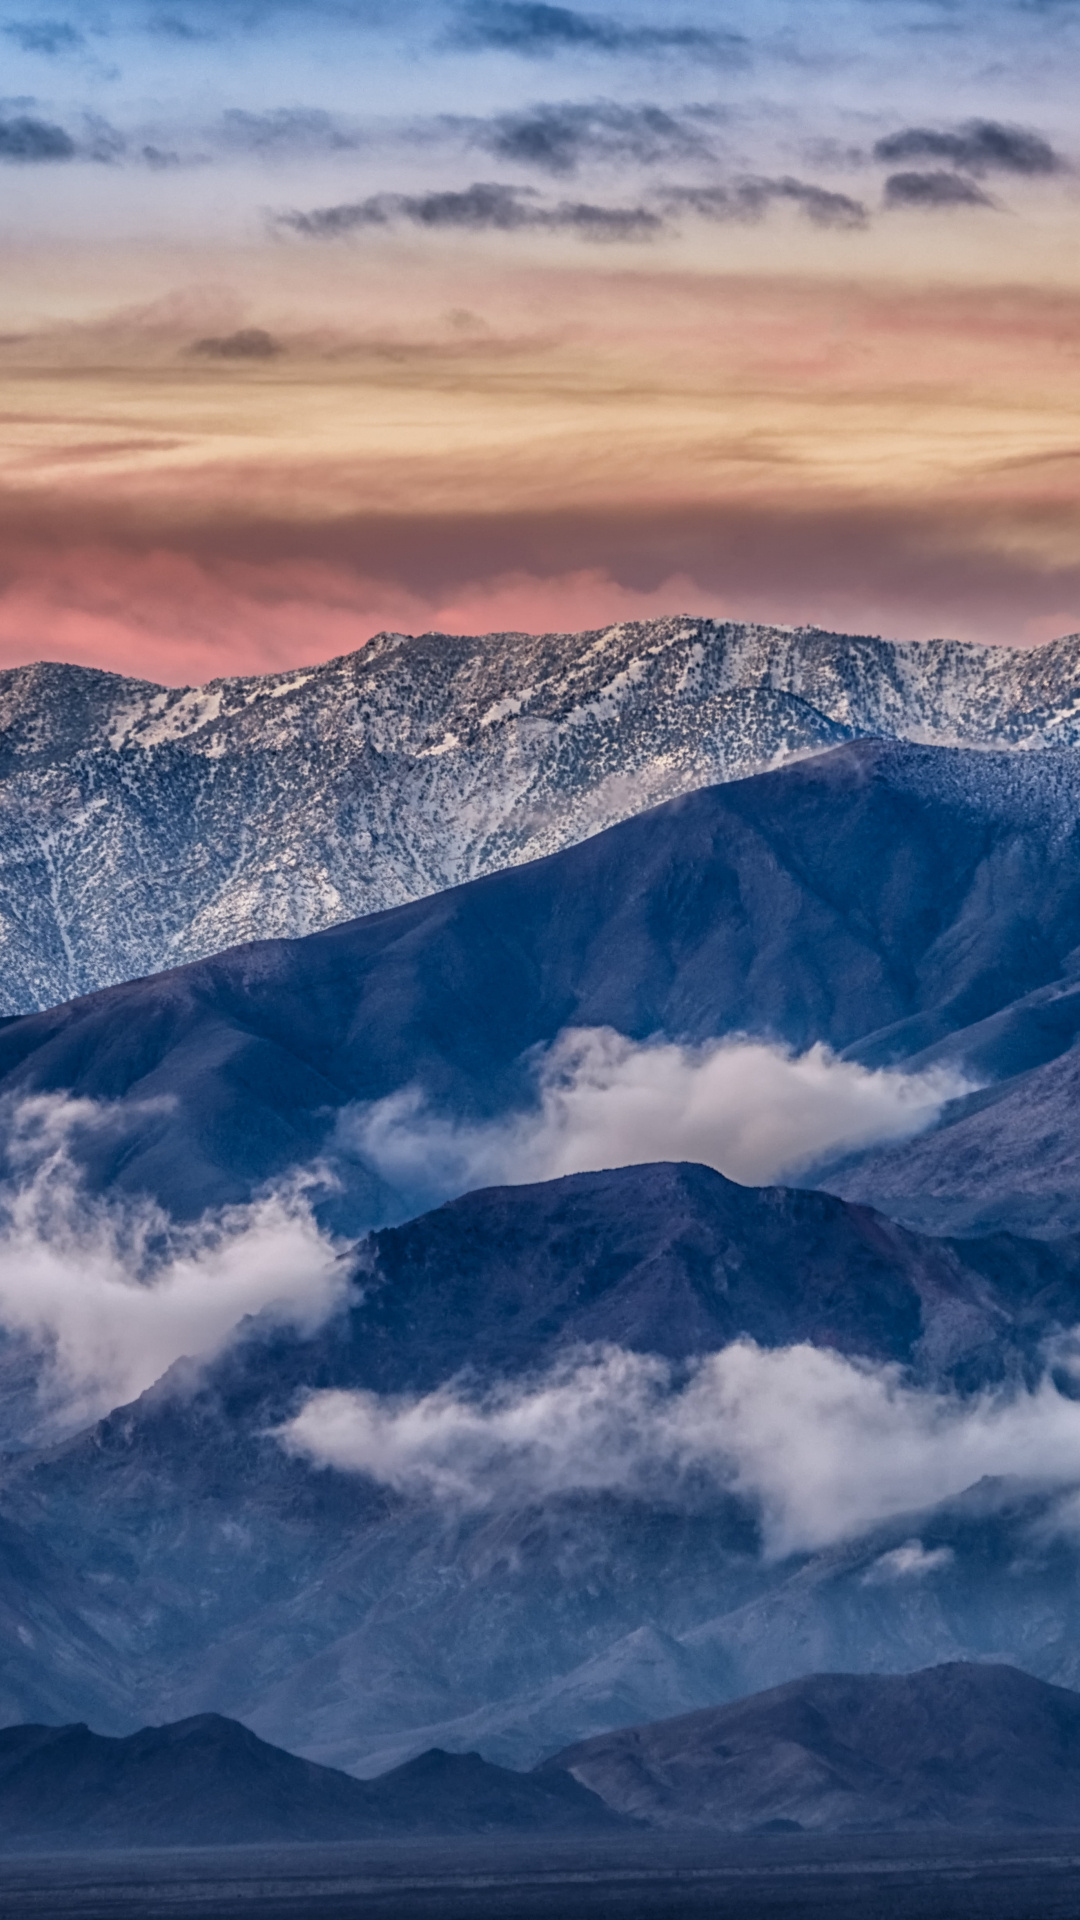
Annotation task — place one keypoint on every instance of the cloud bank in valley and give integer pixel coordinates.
(825, 1447)
(754, 1111)
(108, 1295)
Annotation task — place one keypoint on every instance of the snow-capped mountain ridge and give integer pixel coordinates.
(143, 826)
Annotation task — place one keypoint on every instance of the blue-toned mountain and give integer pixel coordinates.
(143, 826)
(900, 903)
(209, 1566)
(957, 1745)
(207, 1781)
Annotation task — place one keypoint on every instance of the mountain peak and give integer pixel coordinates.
(144, 826)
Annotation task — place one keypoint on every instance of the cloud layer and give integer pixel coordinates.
(754, 1112)
(537, 30)
(484, 207)
(978, 147)
(824, 1447)
(936, 189)
(558, 138)
(108, 1295)
(699, 238)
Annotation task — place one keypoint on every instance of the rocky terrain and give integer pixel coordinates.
(956, 1745)
(545, 1499)
(143, 826)
(178, 1557)
(903, 905)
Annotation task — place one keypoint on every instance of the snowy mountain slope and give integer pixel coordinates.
(143, 826)
(883, 898)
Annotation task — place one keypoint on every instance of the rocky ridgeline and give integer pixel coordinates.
(143, 826)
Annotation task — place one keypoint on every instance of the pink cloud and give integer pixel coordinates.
(254, 597)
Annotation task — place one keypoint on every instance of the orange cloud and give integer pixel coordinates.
(554, 451)
(256, 596)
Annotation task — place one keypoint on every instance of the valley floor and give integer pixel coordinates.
(637, 1877)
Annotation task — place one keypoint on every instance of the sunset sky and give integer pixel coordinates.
(323, 318)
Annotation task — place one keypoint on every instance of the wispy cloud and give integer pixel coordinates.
(978, 147)
(754, 1112)
(484, 207)
(28, 140)
(496, 207)
(49, 37)
(290, 131)
(536, 30)
(109, 1295)
(938, 189)
(908, 1562)
(559, 138)
(824, 1447)
(167, 25)
(751, 197)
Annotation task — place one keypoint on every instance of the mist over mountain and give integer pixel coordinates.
(569, 1519)
(144, 826)
(907, 907)
(563, 1454)
(1008, 1155)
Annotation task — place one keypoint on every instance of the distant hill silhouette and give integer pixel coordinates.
(208, 1781)
(959, 1745)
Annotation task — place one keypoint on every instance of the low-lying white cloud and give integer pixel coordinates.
(825, 1446)
(754, 1111)
(909, 1561)
(110, 1295)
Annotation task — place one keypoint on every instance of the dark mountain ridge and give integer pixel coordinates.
(885, 899)
(957, 1745)
(208, 1781)
(417, 763)
(213, 1569)
(901, 903)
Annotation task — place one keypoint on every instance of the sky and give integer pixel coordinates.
(473, 315)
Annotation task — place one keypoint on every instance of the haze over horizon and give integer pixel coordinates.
(319, 320)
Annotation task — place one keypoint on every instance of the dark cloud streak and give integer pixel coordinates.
(559, 137)
(750, 199)
(494, 207)
(537, 30)
(930, 190)
(978, 147)
(248, 343)
(27, 140)
(50, 37)
(172, 26)
(485, 207)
